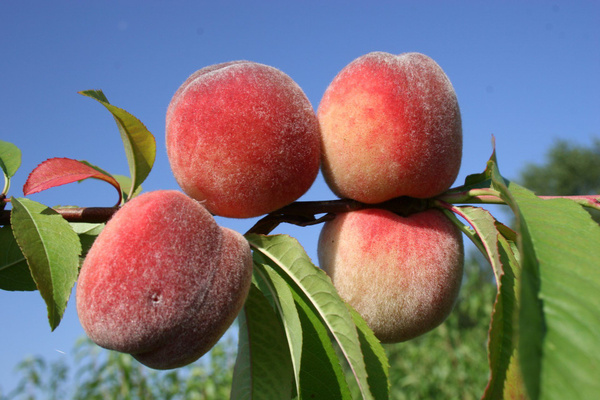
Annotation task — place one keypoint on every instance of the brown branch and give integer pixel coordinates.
(83, 214)
(301, 213)
(304, 213)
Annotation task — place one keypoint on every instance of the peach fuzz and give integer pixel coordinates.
(243, 138)
(390, 127)
(402, 274)
(163, 281)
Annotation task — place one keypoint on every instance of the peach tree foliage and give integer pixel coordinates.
(295, 332)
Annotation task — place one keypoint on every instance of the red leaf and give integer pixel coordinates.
(60, 171)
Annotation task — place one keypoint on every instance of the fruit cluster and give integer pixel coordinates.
(163, 281)
(391, 127)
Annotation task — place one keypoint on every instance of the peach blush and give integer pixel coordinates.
(390, 127)
(243, 138)
(402, 274)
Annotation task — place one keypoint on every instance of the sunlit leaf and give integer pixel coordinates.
(263, 369)
(375, 357)
(277, 291)
(52, 250)
(10, 161)
(10, 158)
(291, 261)
(560, 313)
(498, 243)
(14, 272)
(126, 183)
(484, 224)
(319, 373)
(140, 145)
(87, 233)
(61, 171)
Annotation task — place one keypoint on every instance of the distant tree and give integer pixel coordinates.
(569, 169)
(100, 374)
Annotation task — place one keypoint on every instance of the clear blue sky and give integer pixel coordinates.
(526, 72)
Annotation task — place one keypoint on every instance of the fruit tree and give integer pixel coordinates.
(159, 279)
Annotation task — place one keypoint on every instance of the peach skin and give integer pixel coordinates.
(163, 281)
(390, 127)
(243, 138)
(402, 274)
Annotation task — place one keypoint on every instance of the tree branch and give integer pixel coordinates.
(301, 213)
(304, 213)
(83, 214)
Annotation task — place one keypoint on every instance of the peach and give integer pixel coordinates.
(163, 281)
(402, 274)
(242, 137)
(390, 127)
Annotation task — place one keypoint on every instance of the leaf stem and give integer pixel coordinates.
(6, 185)
(306, 213)
(472, 196)
(451, 212)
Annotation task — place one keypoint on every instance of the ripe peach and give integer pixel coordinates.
(390, 127)
(402, 274)
(163, 281)
(242, 137)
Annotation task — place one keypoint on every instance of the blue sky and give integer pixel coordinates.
(526, 72)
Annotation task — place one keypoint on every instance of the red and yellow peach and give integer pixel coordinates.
(243, 138)
(390, 127)
(402, 274)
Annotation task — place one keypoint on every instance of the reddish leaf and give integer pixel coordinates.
(60, 171)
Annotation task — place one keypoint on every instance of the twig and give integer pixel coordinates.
(83, 214)
(304, 213)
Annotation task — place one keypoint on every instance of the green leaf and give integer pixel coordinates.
(87, 233)
(375, 357)
(10, 158)
(14, 272)
(52, 250)
(277, 291)
(263, 369)
(560, 314)
(321, 376)
(486, 238)
(292, 262)
(505, 378)
(125, 183)
(10, 161)
(140, 145)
